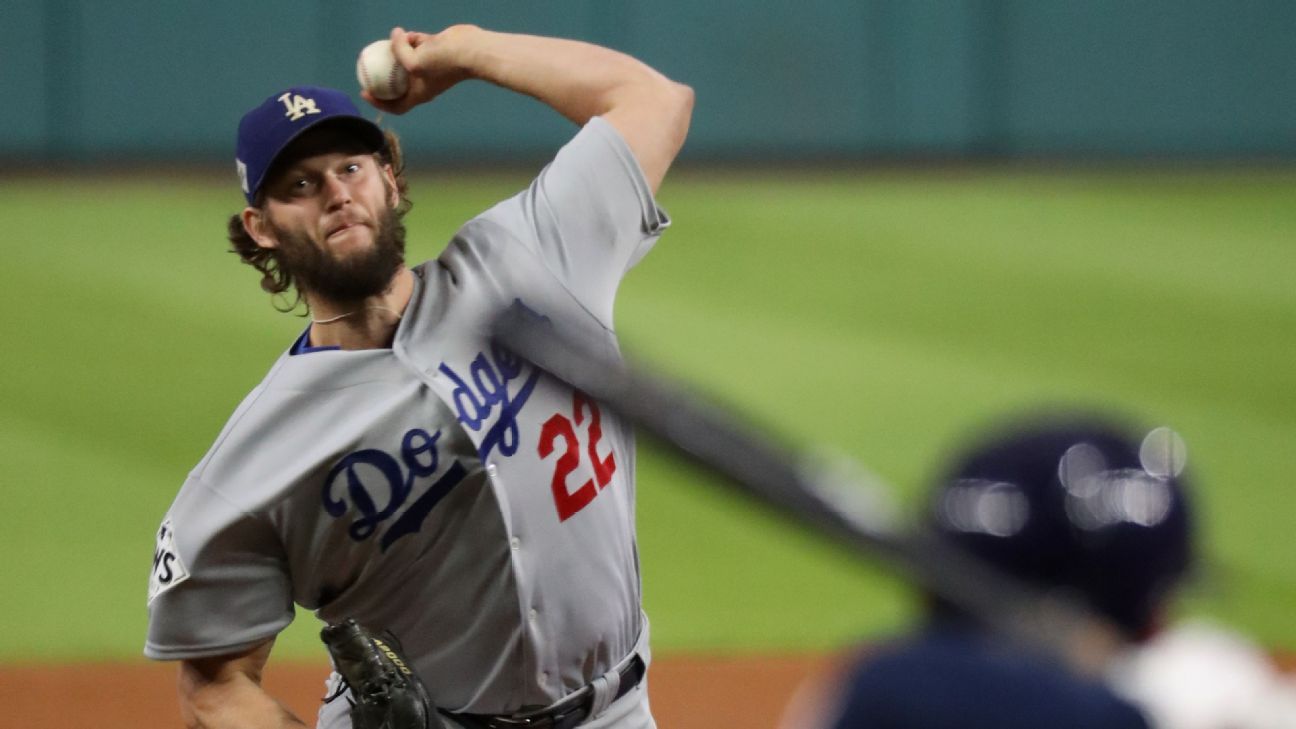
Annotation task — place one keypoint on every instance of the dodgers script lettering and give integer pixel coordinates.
(486, 386)
(377, 484)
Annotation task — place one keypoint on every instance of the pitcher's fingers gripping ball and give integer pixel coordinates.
(380, 73)
(386, 694)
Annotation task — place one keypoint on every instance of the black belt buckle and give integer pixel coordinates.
(505, 722)
(561, 717)
(572, 717)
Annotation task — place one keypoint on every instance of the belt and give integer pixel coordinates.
(570, 711)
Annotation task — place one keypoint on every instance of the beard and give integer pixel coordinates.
(353, 278)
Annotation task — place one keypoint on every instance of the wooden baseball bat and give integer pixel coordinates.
(855, 513)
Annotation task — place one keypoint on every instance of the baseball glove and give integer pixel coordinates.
(385, 692)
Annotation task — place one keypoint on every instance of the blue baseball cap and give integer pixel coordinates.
(1072, 501)
(267, 130)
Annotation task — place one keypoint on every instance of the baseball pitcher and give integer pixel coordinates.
(463, 523)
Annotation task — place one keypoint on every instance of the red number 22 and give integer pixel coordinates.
(569, 502)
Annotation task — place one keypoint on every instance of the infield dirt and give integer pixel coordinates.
(687, 692)
(690, 692)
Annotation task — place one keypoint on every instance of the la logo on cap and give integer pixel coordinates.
(298, 106)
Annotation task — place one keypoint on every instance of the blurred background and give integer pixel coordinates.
(823, 80)
(892, 220)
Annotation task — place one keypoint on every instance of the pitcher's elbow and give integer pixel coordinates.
(681, 101)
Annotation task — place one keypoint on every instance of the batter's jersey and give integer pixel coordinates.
(441, 489)
(954, 676)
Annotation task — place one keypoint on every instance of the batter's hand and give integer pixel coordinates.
(434, 61)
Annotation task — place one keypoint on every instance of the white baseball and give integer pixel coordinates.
(379, 73)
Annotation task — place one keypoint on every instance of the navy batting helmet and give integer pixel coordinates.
(1075, 503)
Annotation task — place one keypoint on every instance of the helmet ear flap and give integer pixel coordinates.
(1074, 503)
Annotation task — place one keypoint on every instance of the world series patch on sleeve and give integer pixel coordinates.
(168, 569)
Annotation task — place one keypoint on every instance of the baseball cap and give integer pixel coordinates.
(1074, 500)
(264, 132)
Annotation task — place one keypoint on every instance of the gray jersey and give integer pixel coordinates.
(441, 489)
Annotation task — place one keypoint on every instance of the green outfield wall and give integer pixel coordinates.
(134, 79)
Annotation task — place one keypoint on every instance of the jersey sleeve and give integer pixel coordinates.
(590, 215)
(219, 582)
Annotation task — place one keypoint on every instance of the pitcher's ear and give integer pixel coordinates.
(254, 222)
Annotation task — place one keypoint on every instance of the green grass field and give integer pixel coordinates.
(877, 314)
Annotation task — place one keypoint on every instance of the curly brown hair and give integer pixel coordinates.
(275, 279)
